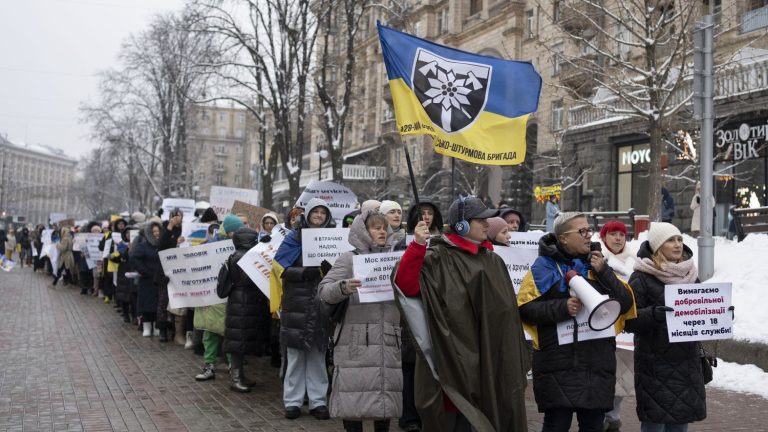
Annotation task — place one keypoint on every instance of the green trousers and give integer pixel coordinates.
(211, 347)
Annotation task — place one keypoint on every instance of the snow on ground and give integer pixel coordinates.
(744, 264)
(740, 378)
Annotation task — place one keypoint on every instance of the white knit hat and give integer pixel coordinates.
(387, 205)
(661, 232)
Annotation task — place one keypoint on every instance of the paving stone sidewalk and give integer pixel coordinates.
(69, 363)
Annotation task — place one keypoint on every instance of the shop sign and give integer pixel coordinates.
(634, 157)
(743, 142)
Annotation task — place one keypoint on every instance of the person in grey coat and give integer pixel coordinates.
(367, 376)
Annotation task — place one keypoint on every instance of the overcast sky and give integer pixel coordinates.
(50, 52)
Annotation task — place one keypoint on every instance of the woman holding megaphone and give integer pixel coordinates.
(668, 379)
(570, 376)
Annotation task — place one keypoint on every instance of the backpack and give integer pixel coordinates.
(224, 283)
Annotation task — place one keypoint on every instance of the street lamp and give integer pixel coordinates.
(322, 154)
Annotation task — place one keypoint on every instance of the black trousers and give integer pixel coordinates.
(559, 420)
(410, 415)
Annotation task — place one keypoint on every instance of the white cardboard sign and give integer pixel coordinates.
(187, 206)
(318, 244)
(223, 198)
(565, 328)
(194, 272)
(257, 262)
(700, 312)
(373, 271)
(341, 200)
(92, 252)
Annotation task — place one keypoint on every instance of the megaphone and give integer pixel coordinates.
(603, 311)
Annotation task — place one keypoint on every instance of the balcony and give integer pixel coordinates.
(388, 127)
(754, 19)
(220, 169)
(745, 77)
(575, 17)
(580, 73)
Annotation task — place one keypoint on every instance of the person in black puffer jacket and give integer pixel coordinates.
(146, 262)
(575, 377)
(669, 384)
(248, 320)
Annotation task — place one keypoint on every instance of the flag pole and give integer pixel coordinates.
(410, 172)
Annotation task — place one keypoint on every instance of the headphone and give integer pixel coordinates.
(462, 226)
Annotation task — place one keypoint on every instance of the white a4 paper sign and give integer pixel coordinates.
(257, 262)
(194, 272)
(565, 329)
(373, 271)
(318, 244)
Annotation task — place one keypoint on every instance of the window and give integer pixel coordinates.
(530, 24)
(442, 21)
(623, 39)
(237, 180)
(239, 149)
(241, 118)
(221, 116)
(755, 16)
(220, 180)
(219, 149)
(238, 165)
(475, 6)
(222, 132)
(557, 59)
(238, 133)
(556, 10)
(219, 165)
(417, 28)
(632, 185)
(557, 115)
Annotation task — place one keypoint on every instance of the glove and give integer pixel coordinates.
(266, 239)
(660, 312)
(325, 267)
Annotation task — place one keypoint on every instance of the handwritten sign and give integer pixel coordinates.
(251, 212)
(257, 262)
(187, 206)
(374, 271)
(194, 272)
(519, 256)
(565, 328)
(700, 312)
(340, 199)
(92, 252)
(318, 244)
(223, 198)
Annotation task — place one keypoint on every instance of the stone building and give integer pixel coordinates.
(35, 181)
(222, 141)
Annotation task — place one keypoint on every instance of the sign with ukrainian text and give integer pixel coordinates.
(700, 312)
(373, 271)
(565, 329)
(519, 256)
(323, 244)
(194, 272)
(474, 107)
(257, 262)
(223, 198)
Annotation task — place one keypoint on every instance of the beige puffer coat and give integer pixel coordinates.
(367, 375)
(66, 256)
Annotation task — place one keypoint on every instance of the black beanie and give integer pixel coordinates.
(209, 216)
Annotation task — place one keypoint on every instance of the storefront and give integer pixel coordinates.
(633, 162)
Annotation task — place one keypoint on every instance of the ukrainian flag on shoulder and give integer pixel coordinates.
(475, 107)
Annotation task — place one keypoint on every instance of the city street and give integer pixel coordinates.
(69, 363)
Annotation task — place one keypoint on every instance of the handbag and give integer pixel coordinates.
(707, 363)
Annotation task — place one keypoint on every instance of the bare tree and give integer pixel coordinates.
(270, 56)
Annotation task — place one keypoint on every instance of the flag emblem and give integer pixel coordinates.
(452, 93)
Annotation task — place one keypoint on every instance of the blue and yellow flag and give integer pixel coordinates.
(475, 107)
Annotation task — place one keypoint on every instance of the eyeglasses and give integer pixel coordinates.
(584, 232)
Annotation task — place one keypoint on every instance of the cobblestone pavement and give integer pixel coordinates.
(69, 363)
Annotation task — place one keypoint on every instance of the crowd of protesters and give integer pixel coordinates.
(449, 354)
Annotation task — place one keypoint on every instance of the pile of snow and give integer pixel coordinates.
(740, 378)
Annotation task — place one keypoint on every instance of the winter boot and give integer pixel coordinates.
(147, 329)
(208, 372)
(156, 331)
(236, 378)
(164, 334)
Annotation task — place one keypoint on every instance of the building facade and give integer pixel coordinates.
(35, 181)
(223, 142)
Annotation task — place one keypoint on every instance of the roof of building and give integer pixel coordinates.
(38, 148)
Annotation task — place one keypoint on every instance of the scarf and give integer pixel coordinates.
(670, 273)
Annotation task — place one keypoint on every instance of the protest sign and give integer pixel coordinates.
(700, 312)
(519, 256)
(194, 272)
(46, 238)
(252, 213)
(187, 206)
(625, 341)
(55, 218)
(92, 252)
(341, 200)
(194, 233)
(223, 198)
(565, 328)
(318, 244)
(117, 238)
(79, 242)
(70, 222)
(82, 223)
(132, 234)
(6, 264)
(257, 262)
(107, 247)
(373, 271)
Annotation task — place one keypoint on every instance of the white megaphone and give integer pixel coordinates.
(603, 311)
